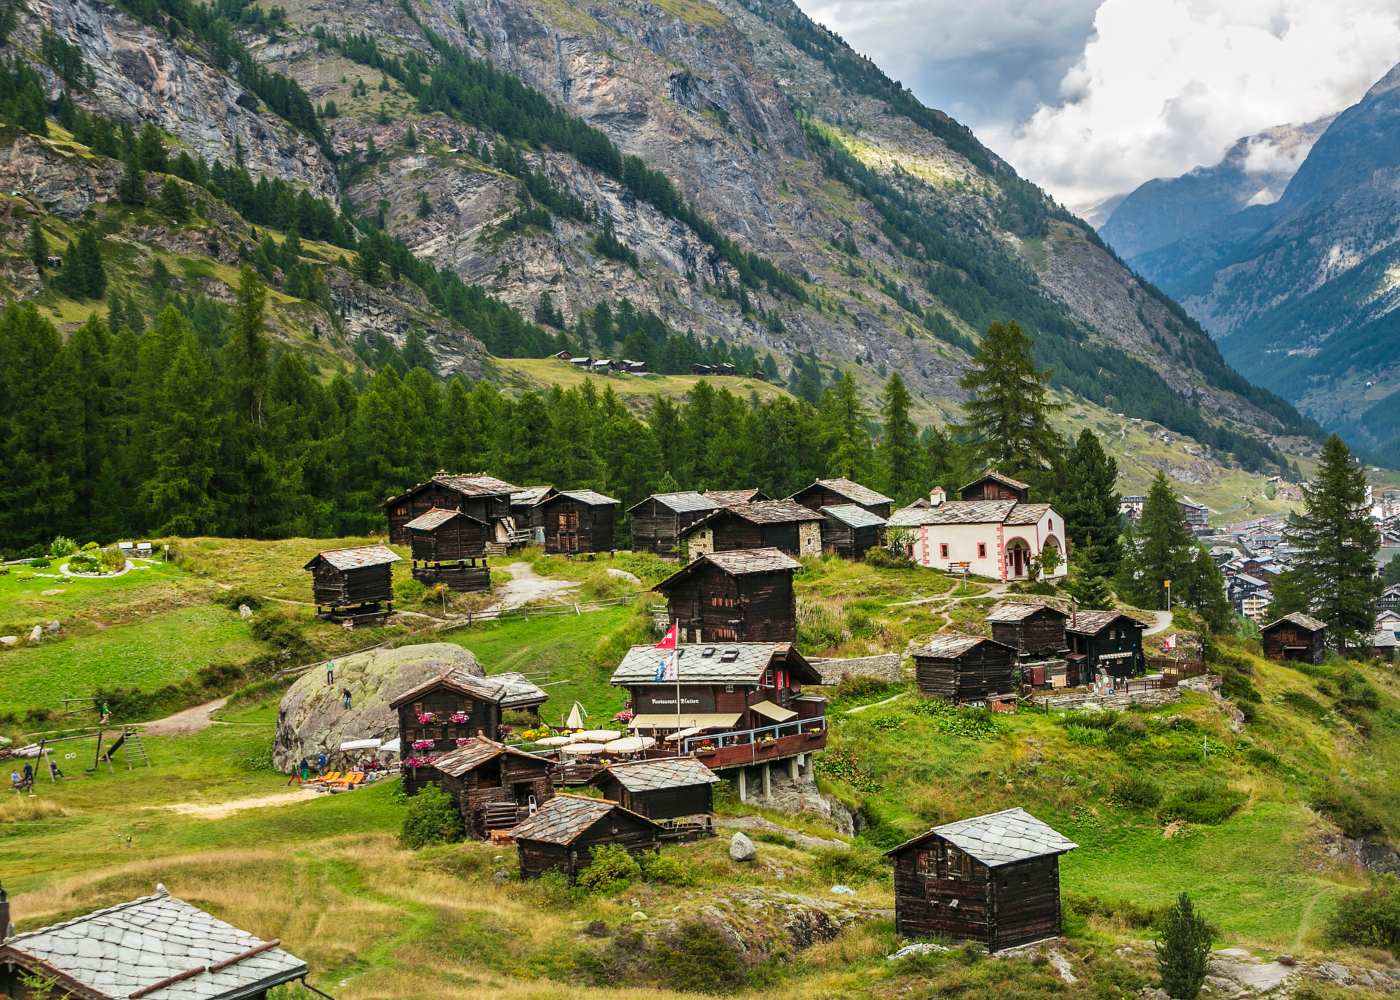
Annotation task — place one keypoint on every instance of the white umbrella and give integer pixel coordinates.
(368, 744)
(583, 749)
(630, 744)
(554, 741)
(597, 735)
(391, 746)
(576, 717)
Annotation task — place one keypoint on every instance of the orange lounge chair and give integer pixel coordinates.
(329, 778)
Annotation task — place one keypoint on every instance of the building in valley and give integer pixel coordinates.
(849, 531)
(739, 595)
(525, 507)
(992, 485)
(659, 521)
(965, 668)
(1033, 628)
(666, 789)
(1001, 539)
(350, 583)
(836, 492)
(779, 524)
(1108, 642)
(563, 833)
(577, 521)
(449, 546)
(494, 786)
(483, 497)
(1295, 636)
(993, 879)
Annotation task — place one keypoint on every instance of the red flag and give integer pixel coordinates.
(668, 641)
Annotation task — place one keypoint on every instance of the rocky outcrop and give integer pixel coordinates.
(802, 796)
(312, 718)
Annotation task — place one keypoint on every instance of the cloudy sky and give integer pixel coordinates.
(1092, 97)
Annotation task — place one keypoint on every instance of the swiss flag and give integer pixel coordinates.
(1170, 642)
(668, 641)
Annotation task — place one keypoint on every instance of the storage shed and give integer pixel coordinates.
(563, 832)
(993, 879)
(495, 786)
(659, 520)
(660, 789)
(1034, 628)
(992, 485)
(578, 521)
(838, 492)
(963, 668)
(1295, 636)
(449, 546)
(780, 524)
(525, 506)
(362, 578)
(727, 497)
(478, 494)
(742, 595)
(1107, 641)
(850, 531)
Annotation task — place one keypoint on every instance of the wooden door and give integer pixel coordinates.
(567, 531)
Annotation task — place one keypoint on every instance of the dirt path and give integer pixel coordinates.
(1161, 621)
(191, 720)
(221, 810)
(875, 704)
(526, 585)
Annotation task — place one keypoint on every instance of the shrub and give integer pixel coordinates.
(432, 818)
(1137, 792)
(83, 562)
(1369, 919)
(668, 869)
(1352, 816)
(1300, 702)
(39, 562)
(62, 546)
(113, 559)
(855, 866)
(281, 633)
(611, 868)
(1183, 950)
(698, 958)
(888, 558)
(1203, 802)
(853, 688)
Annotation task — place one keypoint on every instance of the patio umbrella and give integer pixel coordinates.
(630, 744)
(576, 717)
(554, 741)
(583, 749)
(598, 735)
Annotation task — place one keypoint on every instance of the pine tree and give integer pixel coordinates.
(185, 446)
(1007, 417)
(132, 188)
(1165, 548)
(37, 247)
(1183, 950)
(171, 201)
(843, 417)
(82, 276)
(1337, 545)
(899, 443)
(410, 138)
(1205, 592)
(425, 207)
(1088, 498)
(1090, 592)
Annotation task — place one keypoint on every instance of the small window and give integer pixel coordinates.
(1051, 523)
(981, 550)
(943, 550)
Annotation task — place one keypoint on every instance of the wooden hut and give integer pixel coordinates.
(1107, 641)
(993, 879)
(455, 706)
(1034, 628)
(663, 789)
(838, 492)
(359, 579)
(659, 521)
(850, 531)
(727, 497)
(963, 668)
(449, 546)
(563, 832)
(482, 496)
(739, 595)
(578, 521)
(992, 485)
(525, 506)
(1295, 636)
(495, 786)
(779, 524)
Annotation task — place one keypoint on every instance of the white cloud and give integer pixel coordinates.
(1164, 85)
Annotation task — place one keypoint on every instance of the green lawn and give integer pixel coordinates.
(82, 603)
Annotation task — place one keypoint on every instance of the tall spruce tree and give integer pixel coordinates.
(1165, 548)
(1205, 591)
(1006, 419)
(901, 475)
(132, 188)
(1088, 498)
(848, 448)
(36, 247)
(176, 494)
(1335, 569)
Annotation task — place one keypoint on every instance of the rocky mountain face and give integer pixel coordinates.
(880, 235)
(1302, 291)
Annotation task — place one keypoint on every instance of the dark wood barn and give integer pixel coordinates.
(525, 506)
(495, 786)
(1033, 628)
(993, 879)
(992, 485)
(659, 521)
(578, 521)
(360, 578)
(963, 668)
(455, 706)
(850, 531)
(836, 492)
(563, 832)
(1295, 636)
(482, 496)
(660, 789)
(726, 498)
(449, 546)
(778, 524)
(740, 595)
(1107, 641)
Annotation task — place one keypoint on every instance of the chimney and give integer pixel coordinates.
(6, 928)
(936, 496)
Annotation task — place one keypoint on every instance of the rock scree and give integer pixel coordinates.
(312, 718)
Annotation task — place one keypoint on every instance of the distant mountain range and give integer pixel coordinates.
(1288, 252)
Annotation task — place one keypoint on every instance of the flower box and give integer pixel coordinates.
(461, 718)
(427, 718)
(463, 742)
(422, 744)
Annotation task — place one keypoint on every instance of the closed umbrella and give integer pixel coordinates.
(576, 717)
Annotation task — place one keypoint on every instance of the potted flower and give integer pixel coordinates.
(462, 741)
(626, 715)
(461, 718)
(427, 718)
(422, 744)
(705, 749)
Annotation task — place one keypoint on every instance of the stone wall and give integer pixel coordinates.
(885, 667)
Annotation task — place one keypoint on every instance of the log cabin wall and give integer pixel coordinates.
(572, 526)
(490, 508)
(714, 606)
(1286, 640)
(333, 587)
(1040, 634)
(483, 718)
(657, 528)
(459, 538)
(1116, 649)
(982, 671)
(538, 857)
(1027, 902)
(940, 891)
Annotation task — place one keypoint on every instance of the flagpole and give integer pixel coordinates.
(676, 664)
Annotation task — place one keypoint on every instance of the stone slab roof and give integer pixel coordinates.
(564, 818)
(477, 751)
(509, 690)
(436, 518)
(589, 497)
(851, 490)
(853, 516)
(654, 775)
(1027, 513)
(736, 562)
(475, 484)
(1094, 622)
(950, 645)
(726, 497)
(356, 558)
(999, 838)
(687, 502)
(1301, 620)
(773, 512)
(954, 512)
(714, 663)
(996, 476)
(134, 946)
(1018, 611)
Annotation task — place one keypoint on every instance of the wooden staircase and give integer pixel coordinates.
(499, 816)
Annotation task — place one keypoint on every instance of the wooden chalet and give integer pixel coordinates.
(563, 832)
(578, 521)
(961, 668)
(659, 521)
(1033, 628)
(668, 788)
(1295, 636)
(850, 531)
(739, 595)
(779, 524)
(437, 715)
(992, 485)
(484, 497)
(449, 546)
(727, 497)
(155, 946)
(525, 506)
(837, 492)
(1105, 641)
(348, 583)
(993, 879)
(495, 786)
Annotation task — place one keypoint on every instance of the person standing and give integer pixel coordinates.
(330, 673)
(29, 776)
(321, 762)
(345, 697)
(54, 772)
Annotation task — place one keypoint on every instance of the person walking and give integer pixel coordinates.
(321, 762)
(29, 777)
(345, 697)
(104, 713)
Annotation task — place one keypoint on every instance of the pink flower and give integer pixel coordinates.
(422, 744)
(463, 742)
(460, 717)
(427, 718)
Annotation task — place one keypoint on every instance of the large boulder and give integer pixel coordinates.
(312, 717)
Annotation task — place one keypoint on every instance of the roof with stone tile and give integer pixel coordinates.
(999, 838)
